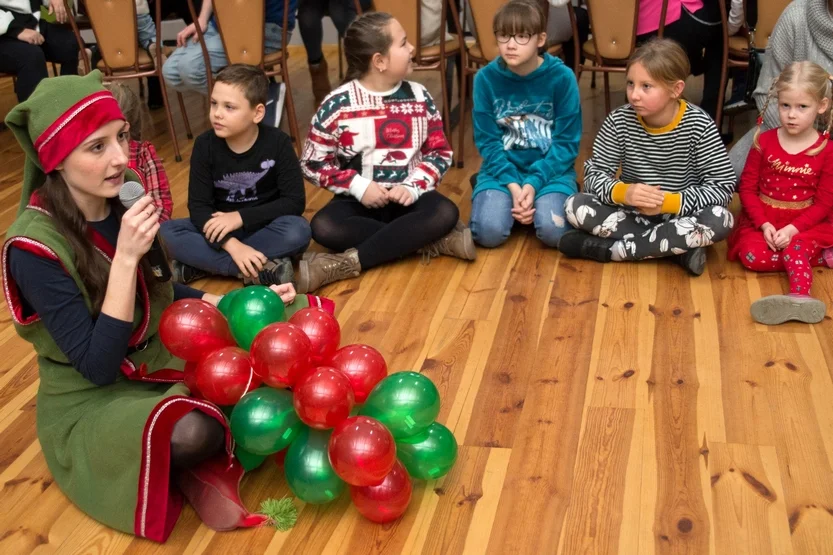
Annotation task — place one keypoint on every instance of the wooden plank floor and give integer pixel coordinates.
(599, 409)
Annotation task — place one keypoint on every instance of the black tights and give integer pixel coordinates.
(383, 234)
(195, 438)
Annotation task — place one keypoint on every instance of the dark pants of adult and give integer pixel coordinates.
(383, 234)
(703, 43)
(583, 25)
(28, 61)
(310, 14)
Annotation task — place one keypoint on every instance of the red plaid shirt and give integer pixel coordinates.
(145, 161)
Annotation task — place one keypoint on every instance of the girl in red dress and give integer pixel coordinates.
(786, 191)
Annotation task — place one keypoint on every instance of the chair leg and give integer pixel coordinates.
(461, 147)
(184, 114)
(289, 108)
(340, 59)
(593, 80)
(446, 112)
(607, 92)
(141, 88)
(170, 116)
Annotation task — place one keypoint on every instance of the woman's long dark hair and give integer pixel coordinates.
(92, 267)
(366, 35)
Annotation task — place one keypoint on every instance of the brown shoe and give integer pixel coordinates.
(327, 268)
(320, 80)
(458, 244)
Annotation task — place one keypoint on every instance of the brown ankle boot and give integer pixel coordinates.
(320, 80)
(458, 244)
(327, 268)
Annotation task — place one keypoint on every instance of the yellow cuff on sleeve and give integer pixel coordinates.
(618, 193)
(672, 203)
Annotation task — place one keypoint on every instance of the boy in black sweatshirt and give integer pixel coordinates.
(246, 192)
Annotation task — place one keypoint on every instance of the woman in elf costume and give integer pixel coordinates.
(117, 427)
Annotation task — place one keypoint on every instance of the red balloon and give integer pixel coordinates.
(189, 376)
(362, 451)
(280, 354)
(323, 331)
(363, 365)
(323, 397)
(193, 328)
(387, 501)
(225, 375)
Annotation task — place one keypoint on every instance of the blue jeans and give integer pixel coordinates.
(185, 69)
(146, 28)
(283, 236)
(491, 218)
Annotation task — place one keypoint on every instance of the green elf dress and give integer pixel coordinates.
(108, 447)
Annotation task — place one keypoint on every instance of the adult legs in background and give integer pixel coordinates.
(60, 46)
(26, 61)
(185, 69)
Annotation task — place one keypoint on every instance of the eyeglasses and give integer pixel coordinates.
(520, 38)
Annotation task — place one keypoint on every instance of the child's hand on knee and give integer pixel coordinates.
(249, 261)
(769, 235)
(784, 235)
(375, 196)
(640, 195)
(401, 195)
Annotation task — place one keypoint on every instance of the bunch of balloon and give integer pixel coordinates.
(332, 417)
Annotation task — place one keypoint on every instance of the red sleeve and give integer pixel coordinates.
(823, 199)
(156, 180)
(749, 189)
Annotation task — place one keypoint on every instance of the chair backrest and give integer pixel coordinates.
(407, 13)
(613, 24)
(114, 26)
(768, 13)
(242, 26)
(483, 15)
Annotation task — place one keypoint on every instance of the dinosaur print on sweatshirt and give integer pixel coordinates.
(242, 186)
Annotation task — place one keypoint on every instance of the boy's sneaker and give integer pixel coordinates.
(777, 309)
(458, 244)
(274, 272)
(580, 244)
(183, 273)
(693, 260)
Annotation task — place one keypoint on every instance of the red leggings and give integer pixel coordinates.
(797, 260)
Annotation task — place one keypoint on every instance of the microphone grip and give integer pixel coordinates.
(158, 261)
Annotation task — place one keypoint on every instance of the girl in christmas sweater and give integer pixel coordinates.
(377, 142)
(786, 191)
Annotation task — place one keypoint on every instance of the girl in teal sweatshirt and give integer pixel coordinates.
(527, 127)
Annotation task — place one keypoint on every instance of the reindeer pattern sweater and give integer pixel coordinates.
(393, 138)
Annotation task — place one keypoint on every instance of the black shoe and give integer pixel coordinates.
(578, 244)
(275, 272)
(183, 273)
(473, 181)
(694, 261)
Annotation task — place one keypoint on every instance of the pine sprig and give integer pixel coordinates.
(282, 512)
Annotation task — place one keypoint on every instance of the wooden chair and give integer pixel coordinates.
(432, 58)
(613, 27)
(242, 28)
(736, 48)
(114, 24)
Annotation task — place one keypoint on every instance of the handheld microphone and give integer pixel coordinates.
(129, 194)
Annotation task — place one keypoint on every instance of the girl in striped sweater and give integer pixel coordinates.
(671, 197)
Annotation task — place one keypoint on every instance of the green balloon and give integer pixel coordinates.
(406, 402)
(308, 470)
(264, 421)
(429, 455)
(251, 310)
(250, 461)
(225, 303)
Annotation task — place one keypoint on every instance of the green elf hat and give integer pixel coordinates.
(60, 114)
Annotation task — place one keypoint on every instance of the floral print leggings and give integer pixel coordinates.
(642, 237)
